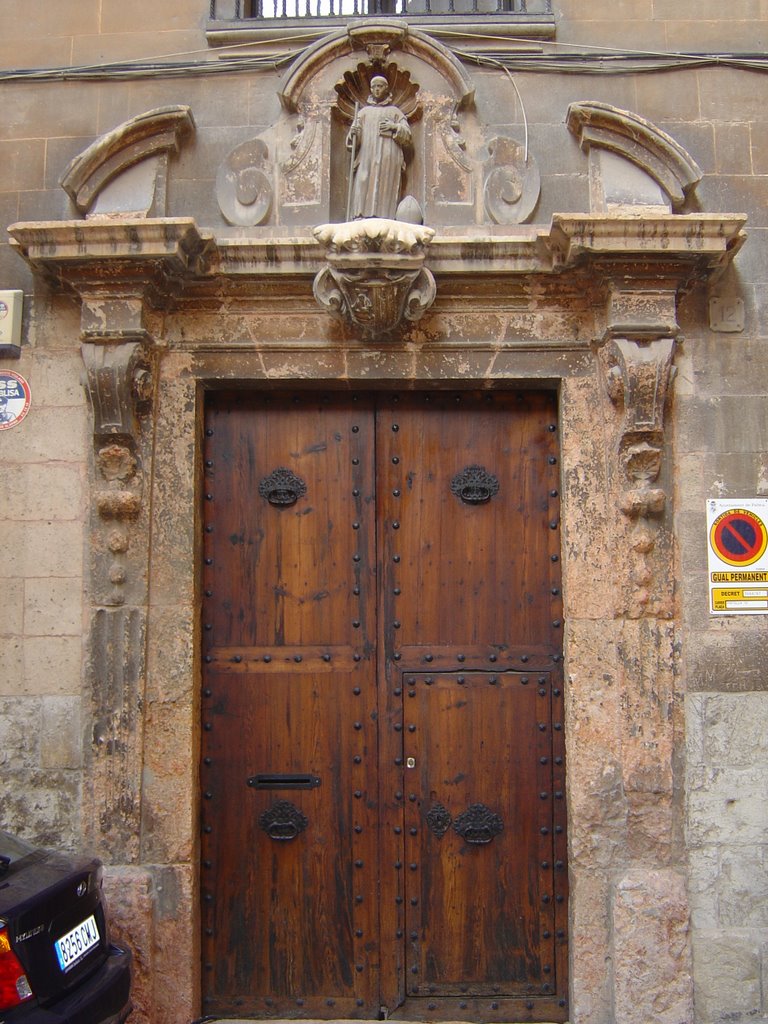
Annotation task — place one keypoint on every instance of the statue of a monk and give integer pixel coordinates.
(380, 135)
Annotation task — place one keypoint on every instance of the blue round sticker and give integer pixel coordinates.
(15, 399)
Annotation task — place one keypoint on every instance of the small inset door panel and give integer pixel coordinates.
(478, 820)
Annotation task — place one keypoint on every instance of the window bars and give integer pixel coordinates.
(270, 10)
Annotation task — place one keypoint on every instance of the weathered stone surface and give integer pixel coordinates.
(652, 949)
(722, 808)
(52, 604)
(743, 887)
(19, 721)
(728, 729)
(130, 902)
(727, 977)
(168, 788)
(116, 669)
(51, 665)
(176, 978)
(590, 924)
(44, 491)
(727, 656)
(12, 622)
(40, 804)
(44, 549)
(704, 869)
(60, 733)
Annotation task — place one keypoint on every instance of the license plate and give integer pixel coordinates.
(72, 947)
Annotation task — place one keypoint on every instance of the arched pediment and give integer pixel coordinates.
(153, 133)
(379, 39)
(601, 126)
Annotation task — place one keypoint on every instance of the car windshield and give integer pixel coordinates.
(12, 849)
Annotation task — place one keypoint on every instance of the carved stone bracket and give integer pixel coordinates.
(640, 374)
(637, 357)
(119, 383)
(375, 277)
(640, 342)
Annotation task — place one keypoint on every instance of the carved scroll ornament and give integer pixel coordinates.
(243, 186)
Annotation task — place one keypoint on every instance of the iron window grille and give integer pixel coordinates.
(252, 12)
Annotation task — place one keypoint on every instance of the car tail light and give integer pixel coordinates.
(14, 987)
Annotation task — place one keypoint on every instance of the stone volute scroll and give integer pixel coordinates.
(374, 277)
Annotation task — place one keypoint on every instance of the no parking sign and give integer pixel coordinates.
(737, 531)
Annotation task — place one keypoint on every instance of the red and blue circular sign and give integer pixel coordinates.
(15, 399)
(739, 537)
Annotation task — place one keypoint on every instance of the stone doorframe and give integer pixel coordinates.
(588, 306)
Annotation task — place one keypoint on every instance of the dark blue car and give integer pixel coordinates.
(57, 965)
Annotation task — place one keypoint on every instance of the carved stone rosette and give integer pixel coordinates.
(374, 277)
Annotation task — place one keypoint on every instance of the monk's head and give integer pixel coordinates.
(379, 87)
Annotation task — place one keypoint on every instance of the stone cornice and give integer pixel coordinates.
(484, 32)
(163, 255)
(69, 251)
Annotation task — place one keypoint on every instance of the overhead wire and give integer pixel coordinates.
(553, 58)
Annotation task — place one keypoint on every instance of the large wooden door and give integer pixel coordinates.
(382, 754)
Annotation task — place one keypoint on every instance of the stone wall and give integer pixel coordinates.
(44, 504)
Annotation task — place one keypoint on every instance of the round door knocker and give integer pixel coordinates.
(283, 821)
(282, 488)
(478, 824)
(475, 485)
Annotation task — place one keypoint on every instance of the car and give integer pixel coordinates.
(57, 964)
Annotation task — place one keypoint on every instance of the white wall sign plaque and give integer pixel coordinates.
(737, 534)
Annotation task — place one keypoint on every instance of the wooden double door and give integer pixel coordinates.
(382, 776)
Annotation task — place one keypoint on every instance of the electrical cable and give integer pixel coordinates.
(589, 60)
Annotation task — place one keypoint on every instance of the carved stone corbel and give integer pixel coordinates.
(119, 382)
(375, 277)
(637, 357)
(639, 374)
(638, 349)
(119, 363)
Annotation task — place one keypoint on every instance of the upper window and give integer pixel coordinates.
(267, 10)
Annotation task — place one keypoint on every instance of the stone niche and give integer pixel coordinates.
(296, 171)
(586, 305)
